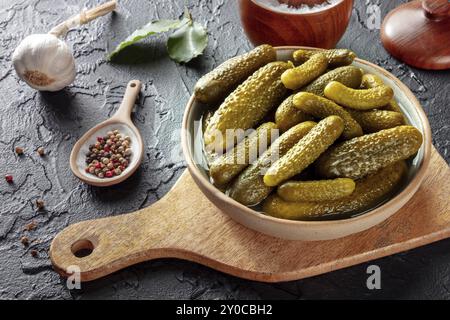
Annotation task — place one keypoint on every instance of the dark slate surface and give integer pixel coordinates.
(55, 120)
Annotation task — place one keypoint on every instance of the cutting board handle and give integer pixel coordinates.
(95, 248)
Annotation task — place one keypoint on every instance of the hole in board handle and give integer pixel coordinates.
(132, 84)
(82, 248)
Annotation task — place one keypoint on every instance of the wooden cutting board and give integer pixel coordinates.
(185, 225)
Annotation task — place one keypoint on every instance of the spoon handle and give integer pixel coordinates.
(129, 99)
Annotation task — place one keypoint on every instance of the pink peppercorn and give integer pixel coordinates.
(109, 174)
(9, 178)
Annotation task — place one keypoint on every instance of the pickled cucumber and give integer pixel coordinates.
(247, 105)
(336, 57)
(229, 165)
(376, 120)
(249, 188)
(364, 155)
(350, 76)
(288, 116)
(368, 192)
(217, 84)
(372, 81)
(300, 76)
(305, 152)
(321, 108)
(322, 190)
(365, 99)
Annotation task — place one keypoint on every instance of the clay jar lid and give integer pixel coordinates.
(418, 33)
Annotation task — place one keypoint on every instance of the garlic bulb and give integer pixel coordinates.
(44, 62)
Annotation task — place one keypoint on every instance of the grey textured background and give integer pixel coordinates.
(55, 120)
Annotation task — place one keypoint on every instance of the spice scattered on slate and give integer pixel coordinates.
(25, 241)
(31, 226)
(9, 178)
(109, 156)
(19, 151)
(41, 151)
(40, 204)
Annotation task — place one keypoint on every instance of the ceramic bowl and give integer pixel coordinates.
(311, 230)
(322, 28)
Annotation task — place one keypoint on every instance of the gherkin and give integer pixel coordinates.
(246, 106)
(215, 85)
(363, 99)
(320, 190)
(321, 108)
(229, 165)
(349, 76)
(364, 155)
(249, 188)
(288, 116)
(371, 81)
(300, 76)
(306, 151)
(336, 57)
(376, 120)
(369, 191)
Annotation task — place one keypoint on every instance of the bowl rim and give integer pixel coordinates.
(313, 13)
(391, 203)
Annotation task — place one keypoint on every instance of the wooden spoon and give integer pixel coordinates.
(121, 121)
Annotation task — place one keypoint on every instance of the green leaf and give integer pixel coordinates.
(188, 41)
(149, 29)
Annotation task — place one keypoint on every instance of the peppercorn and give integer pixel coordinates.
(109, 156)
(9, 178)
(25, 241)
(41, 151)
(34, 253)
(40, 204)
(30, 226)
(19, 151)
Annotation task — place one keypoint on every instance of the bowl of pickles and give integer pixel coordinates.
(305, 144)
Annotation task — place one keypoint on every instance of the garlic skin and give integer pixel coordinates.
(44, 62)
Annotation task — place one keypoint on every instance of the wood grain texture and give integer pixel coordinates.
(191, 228)
(322, 29)
(418, 33)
